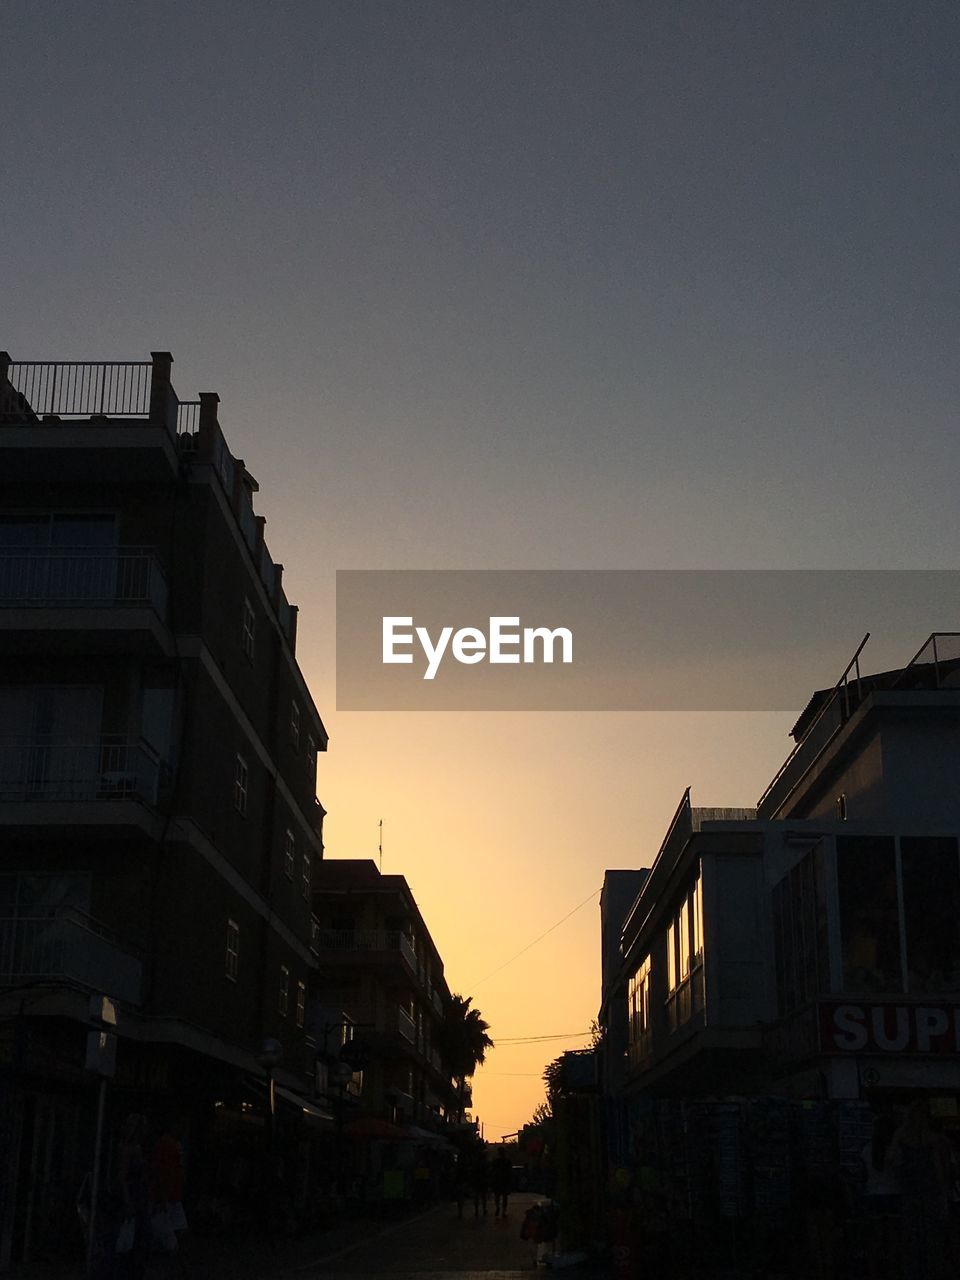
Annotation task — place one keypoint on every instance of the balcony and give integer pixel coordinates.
(110, 769)
(85, 577)
(108, 420)
(69, 947)
(406, 1026)
(367, 944)
(73, 598)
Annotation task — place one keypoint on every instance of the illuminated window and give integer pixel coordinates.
(671, 958)
(683, 934)
(301, 1003)
(283, 995)
(241, 780)
(289, 853)
(232, 965)
(696, 919)
(639, 1008)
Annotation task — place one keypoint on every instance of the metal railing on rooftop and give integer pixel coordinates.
(188, 417)
(936, 663)
(79, 389)
(837, 708)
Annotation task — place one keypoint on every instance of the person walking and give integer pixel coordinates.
(132, 1245)
(479, 1180)
(501, 1177)
(919, 1159)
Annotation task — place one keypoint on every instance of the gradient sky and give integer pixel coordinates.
(547, 284)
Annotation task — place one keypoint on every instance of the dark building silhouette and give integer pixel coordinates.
(380, 965)
(810, 947)
(159, 826)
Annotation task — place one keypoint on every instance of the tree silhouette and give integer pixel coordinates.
(462, 1039)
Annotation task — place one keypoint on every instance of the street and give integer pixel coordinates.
(435, 1242)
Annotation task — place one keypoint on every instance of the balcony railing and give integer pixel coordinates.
(367, 940)
(54, 577)
(36, 770)
(78, 389)
(436, 1001)
(69, 946)
(406, 1026)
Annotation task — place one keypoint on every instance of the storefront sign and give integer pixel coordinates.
(890, 1028)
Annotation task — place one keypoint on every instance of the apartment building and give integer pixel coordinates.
(810, 947)
(159, 825)
(379, 964)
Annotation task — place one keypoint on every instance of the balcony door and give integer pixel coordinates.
(50, 741)
(58, 557)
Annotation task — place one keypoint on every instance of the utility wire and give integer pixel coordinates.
(564, 1035)
(589, 898)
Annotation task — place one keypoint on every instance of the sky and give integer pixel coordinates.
(507, 284)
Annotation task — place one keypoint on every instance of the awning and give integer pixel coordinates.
(308, 1108)
(374, 1127)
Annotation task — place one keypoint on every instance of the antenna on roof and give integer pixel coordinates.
(381, 845)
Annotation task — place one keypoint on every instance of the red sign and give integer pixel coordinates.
(890, 1028)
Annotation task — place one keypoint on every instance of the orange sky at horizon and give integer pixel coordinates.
(503, 823)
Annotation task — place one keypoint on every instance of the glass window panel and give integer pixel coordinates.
(23, 531)
(684, 932)
(931, 909)
(869, 913)
(78, 529)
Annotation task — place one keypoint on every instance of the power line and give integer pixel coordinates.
(564, 1035)
(589, 898)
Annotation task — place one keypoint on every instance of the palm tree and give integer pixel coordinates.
(463, 1041)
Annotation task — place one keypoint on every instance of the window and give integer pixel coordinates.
(295, 724)
(241, 779)
(696, 916)
(305, 876)
(931, 908)
(869, 913)
(232, 964)
(301, 1003)
(639, 1010)
(800, 945)
(289, 853)
(671, 958)
(311, 760)
(247, 629)
(283, 995)
(683, 933)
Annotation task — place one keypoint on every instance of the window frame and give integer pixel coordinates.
(231, 967)
(248, 630)
(300, 1013)
(289, 853)
(296, 719)
(241, 785)
(283, 992)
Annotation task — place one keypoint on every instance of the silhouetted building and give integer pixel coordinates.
(379, 964)
(158, 755)
(811, 947)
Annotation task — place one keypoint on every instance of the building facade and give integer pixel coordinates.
(811, 947)
(159, 826)
(379, 965)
